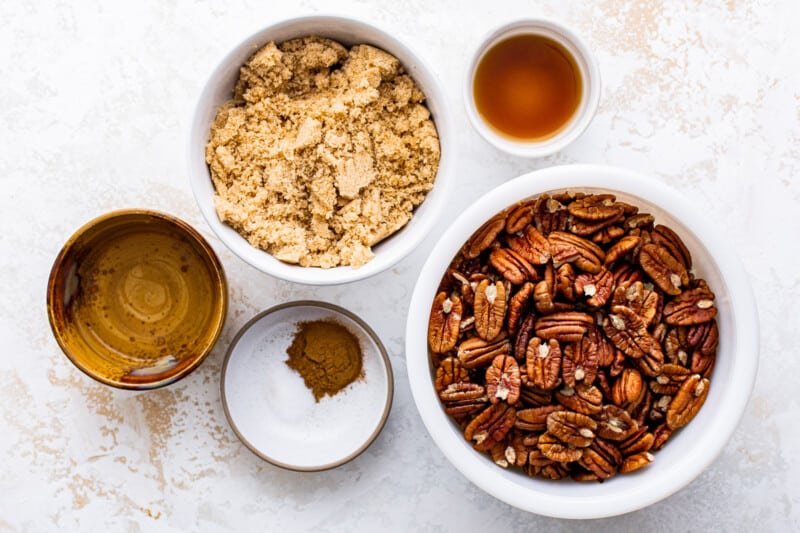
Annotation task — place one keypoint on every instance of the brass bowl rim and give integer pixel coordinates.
(219, 282)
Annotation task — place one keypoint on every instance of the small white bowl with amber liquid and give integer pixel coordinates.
(532, 87)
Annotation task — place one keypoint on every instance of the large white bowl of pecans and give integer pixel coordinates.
(582, 342)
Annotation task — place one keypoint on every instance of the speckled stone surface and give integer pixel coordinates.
(96, 99)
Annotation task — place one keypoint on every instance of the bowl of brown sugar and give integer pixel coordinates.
(320, 150)
(307, 385)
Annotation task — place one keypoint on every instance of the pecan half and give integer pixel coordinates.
(518, 304)
(614, 423)
(534, 396)
(490, 426)
(543, 363)
(475, 352)
(535, 418)
(571, 428)
(568, 326)
(490, 308)
(444, 322)
(664, 236)
(640, 441)
(519, 216)
(601, 458)
(608, 235)
(463, 399)
(621, 248)
(555, 450)
(549, 215)
(450, 371)
(531, 246)
(670, 379)
(644, 302)
(584, 399)
(694, 306)
(636, 461)
(595, 287)
(512, 266)
(568, 248)
(526, 332)
(485, 236)
(579, 364)
(661, 435)
(687, 401)
(545, 291)
(628, 389)
(627, 331)
(503, 380)
(639, 220)
(565, 281)
(595, 207)
(665, 271)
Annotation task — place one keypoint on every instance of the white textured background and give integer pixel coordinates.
(95, 100)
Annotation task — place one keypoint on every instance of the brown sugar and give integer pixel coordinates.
(327, 355)
(323, 151)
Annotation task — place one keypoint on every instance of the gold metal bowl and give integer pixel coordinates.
(137, 299)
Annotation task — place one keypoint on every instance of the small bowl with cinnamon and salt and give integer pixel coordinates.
(307, 385)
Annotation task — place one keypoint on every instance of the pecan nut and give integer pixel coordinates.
(687, 401)
(543, 363)
(535, 418)
(628, 332)
(450, 371)
(665, 271)
(694, 306)
(584, 399)
(601, 458)
(490, 426)
(531, 246)
(512, 266)
(503, 380)
(519, 216)
(568, 248)
(636, 461)
(615, 424)
(518, 305)
(475, 352)
(579, 364)
(490, 309)
(567, 326)
(556, 450)
(463, 399)
(571, 428)
(596, 288)
(485, 236)
(664, 236)
(443, 326)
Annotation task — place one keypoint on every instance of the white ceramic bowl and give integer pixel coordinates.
(691, 449)
(275, 415)
(589, 71)
(219, 89)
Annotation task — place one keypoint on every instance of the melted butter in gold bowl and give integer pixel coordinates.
(137, 299)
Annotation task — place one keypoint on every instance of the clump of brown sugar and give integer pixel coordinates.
(323, 151)
(327, 355)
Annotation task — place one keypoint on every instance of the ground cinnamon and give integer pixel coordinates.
(327, 355)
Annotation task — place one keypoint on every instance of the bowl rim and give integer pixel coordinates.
(575, 126)
(384, 357)
(744, 351)
(262, 260)
(219, 282)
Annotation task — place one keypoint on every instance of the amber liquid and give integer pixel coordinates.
(527, 87)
